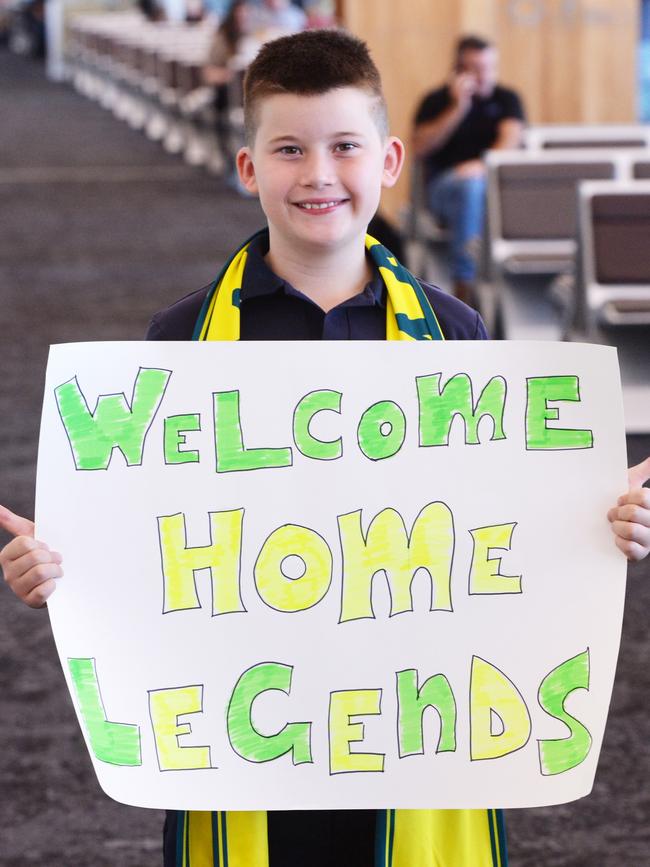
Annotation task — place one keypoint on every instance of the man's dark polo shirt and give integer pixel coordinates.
(271, 309)
(477, 131)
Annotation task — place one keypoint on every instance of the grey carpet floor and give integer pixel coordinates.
(99, 228)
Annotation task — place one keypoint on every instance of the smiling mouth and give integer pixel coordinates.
(316, 207)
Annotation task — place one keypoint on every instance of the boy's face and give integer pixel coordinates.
(318, 164)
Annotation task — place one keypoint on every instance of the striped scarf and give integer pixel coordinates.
(409, 315)
(403, 838)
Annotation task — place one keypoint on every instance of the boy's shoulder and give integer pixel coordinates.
(177, 321)
(457, 320)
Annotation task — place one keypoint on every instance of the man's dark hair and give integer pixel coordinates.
(308, 64)
(471, 43)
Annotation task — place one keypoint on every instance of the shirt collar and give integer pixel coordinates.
(259, 280)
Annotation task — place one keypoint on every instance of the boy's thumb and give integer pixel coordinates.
(639, 474)
(14, 524)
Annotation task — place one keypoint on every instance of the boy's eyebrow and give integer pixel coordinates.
(290, 137)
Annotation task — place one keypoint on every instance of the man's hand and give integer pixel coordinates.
(630, 518)
(462, 87)
(430, 135)
(470, 169)
(29, 566)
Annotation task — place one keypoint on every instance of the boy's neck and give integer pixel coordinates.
(327, 278)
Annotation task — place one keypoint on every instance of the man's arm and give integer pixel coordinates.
(430, 134)
(433, 134)
(509, 134)
(510, 130)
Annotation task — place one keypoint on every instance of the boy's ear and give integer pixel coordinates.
(393, 161)
(246, 170)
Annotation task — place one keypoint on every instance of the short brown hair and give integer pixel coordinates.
(308, 64)
(471, 43)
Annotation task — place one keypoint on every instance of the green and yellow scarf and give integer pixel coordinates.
(404, 838)
(409, 315)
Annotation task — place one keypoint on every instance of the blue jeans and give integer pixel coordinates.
(460, 204)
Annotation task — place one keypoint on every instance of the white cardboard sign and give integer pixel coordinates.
(316, 575)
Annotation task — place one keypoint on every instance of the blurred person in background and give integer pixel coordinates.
(24, 28)
(5, 22)
(280, 18)
(454, 126)
(195, 11)
(320, 13)
(152, 10)
(245, 27)
(216, 8)
(219, 71)
(226, 43)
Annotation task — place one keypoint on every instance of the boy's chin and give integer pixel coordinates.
(327, 237)
(330, 243)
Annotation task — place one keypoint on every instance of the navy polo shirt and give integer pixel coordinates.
(272, 309)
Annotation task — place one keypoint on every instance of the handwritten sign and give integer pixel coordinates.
(336, 575)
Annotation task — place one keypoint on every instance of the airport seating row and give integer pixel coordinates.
(532, 208)
(584, 135)
(544, 216)
(613, 268)
(149, 75)
(540, 227)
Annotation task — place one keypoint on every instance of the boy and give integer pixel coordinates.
(318, 154)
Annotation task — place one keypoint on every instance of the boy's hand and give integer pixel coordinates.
(29, 567)
(630, 518)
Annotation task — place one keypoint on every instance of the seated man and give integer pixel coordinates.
(454, 126)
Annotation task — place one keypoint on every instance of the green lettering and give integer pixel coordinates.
(249, 743)
(435, 692)
(230, 450)
(382, 430)
(439, 406)
(541, 390)
(176, 426)
(111, 742)
(562, 754)
(113, 424)
(307, 408)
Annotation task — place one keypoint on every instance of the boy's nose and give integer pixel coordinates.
(318, 172)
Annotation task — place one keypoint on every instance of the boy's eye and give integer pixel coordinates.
(346, 146)
(289, 150)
